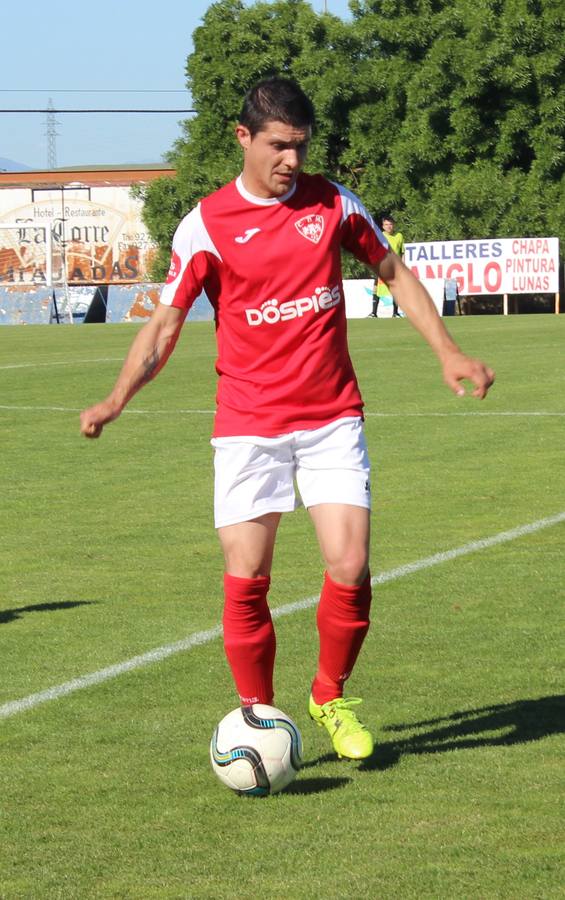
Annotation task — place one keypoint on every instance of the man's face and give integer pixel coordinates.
(388, 226)
(273, 157)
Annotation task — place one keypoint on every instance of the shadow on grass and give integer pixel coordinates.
(10, 615)
(500, 725)
(327, 757)
(316, 785)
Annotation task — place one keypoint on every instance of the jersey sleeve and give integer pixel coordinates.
(359, 233)
(193, 262)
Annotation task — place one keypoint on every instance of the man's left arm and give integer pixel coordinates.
(416, 303)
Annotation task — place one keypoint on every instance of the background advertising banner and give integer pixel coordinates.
(358, 297)
(96, 234)
(497, 266)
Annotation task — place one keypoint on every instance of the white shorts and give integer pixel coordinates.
(256, 475)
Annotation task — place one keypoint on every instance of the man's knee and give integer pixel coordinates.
(350, 568)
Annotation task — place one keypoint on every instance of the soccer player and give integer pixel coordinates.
(266, 249)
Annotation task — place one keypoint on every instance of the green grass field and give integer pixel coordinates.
(108, 552)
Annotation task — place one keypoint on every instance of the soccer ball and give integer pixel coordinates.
(256, 750)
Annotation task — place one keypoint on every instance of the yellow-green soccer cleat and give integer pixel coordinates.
(350, 738)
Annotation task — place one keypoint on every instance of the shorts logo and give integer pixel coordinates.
(273, 311)
(174, 268)
(311, 227)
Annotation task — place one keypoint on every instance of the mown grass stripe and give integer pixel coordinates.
(205, 637)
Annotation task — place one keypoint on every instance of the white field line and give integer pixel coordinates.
(205, 637)
(129, 412)
(211, 412)
(65, 362)
(443, 415)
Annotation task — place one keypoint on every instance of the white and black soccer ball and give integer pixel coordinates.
(256, 750)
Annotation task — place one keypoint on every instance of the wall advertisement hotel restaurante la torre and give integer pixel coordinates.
(97, 232)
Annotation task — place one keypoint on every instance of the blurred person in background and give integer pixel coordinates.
(395, 241)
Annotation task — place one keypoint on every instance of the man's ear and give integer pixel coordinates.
(243, 135)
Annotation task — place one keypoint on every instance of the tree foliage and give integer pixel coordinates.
(449, 112)
(478, 145)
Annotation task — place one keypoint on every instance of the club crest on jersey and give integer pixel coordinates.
(311, 227)
(174, 268)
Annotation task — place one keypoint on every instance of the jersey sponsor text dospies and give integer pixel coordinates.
(271, 311)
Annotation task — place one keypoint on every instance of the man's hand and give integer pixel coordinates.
(93, 419)
(413, 298)
(148, 354)
(457, 368)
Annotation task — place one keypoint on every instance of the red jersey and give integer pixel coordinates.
(271, 269)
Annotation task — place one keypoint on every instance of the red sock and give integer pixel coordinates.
(343, 622)
(249, 637)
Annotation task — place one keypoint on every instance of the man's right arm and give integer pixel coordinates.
(414, 300)
(148, 354)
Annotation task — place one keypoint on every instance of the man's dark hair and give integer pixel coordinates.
(276, 100)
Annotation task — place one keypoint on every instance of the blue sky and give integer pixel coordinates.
(49, 49)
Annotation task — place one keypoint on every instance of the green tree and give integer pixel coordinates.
(234, 47)
(449, 112)
(470, 132)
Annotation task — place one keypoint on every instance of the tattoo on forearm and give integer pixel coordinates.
(150, 364)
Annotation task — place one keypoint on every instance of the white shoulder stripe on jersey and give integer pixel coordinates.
(191, 237)
(351, 205)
